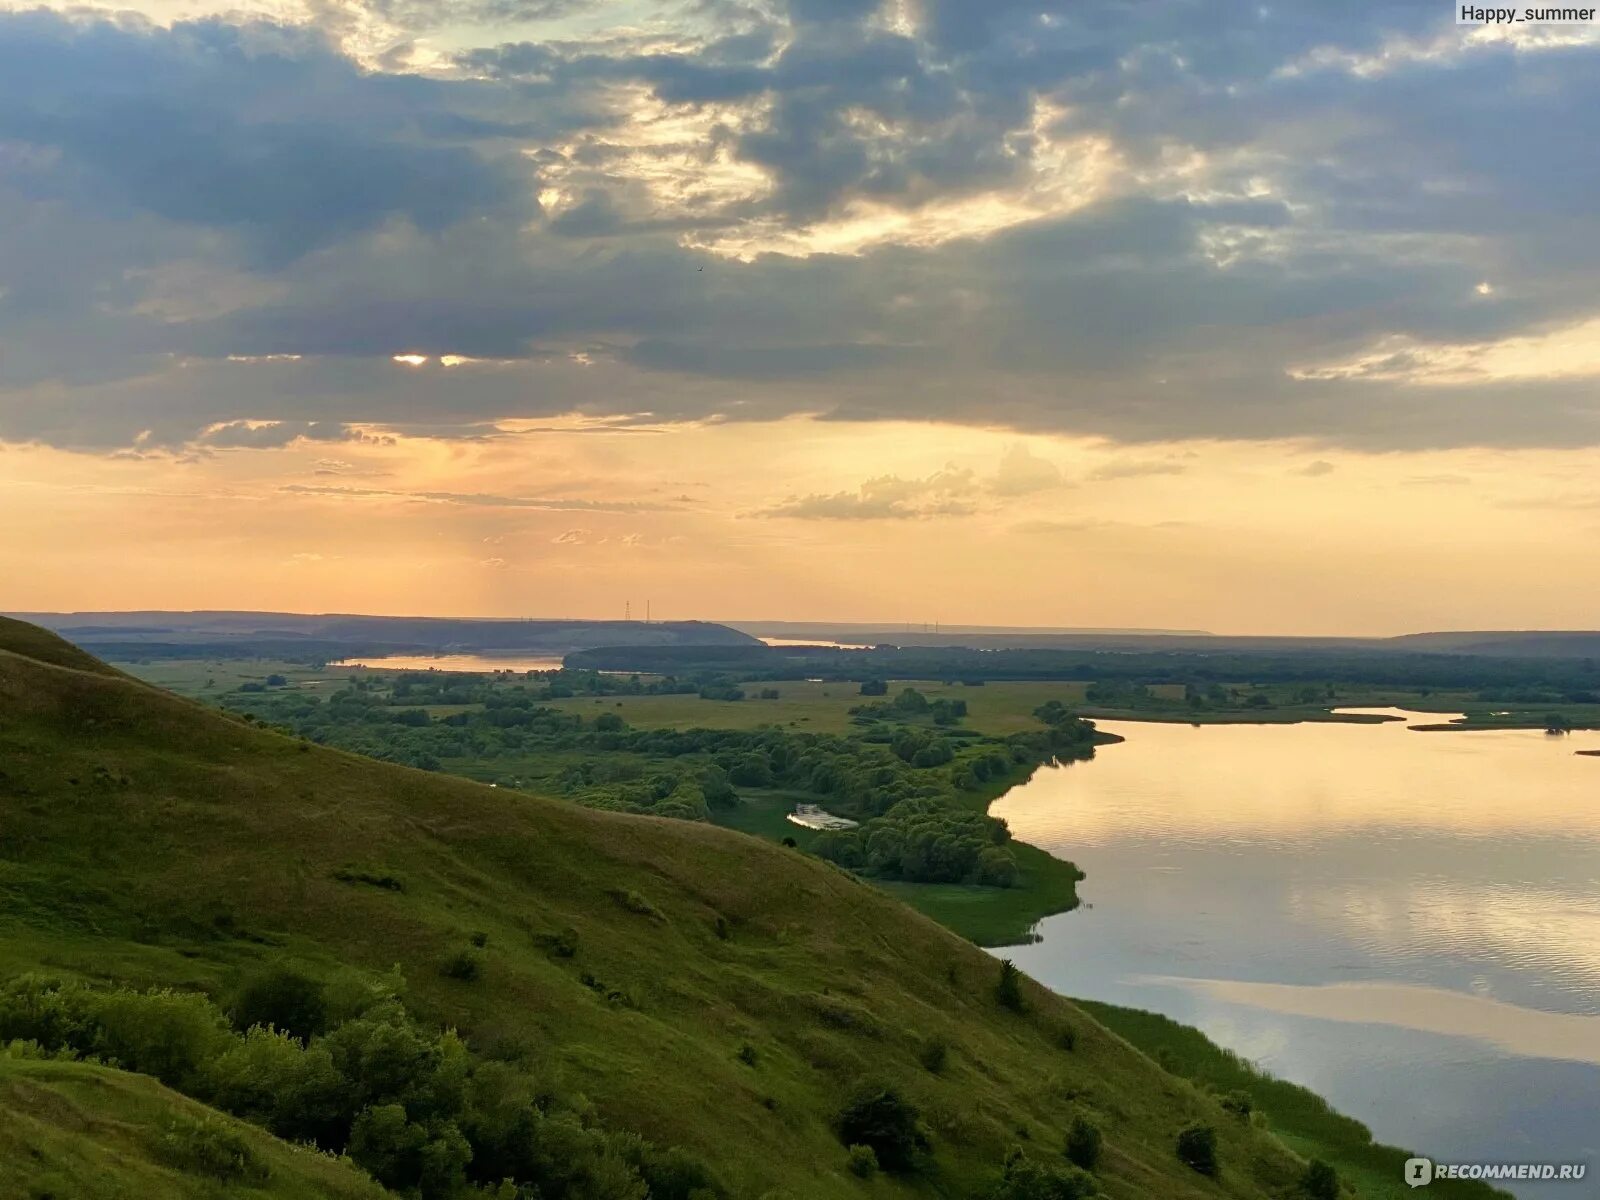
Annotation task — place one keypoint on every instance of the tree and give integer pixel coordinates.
(1320, 1182)
(874, 687)
(609, 723)
(286, 1000)
(1197, 1148)
(1083, 1143)
(883, 1120)
(1009, 990)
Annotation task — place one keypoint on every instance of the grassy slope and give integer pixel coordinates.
(90, 1133)
(147, 839)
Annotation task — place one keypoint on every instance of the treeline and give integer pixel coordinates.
(905, 782)
(1538, 680)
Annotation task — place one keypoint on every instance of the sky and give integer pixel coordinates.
(1256, 318)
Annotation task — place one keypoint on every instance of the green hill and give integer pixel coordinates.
(612, 978)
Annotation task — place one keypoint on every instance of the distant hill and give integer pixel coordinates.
(122, 635)
(1527, 643)
(711, 993)
(1510, 644)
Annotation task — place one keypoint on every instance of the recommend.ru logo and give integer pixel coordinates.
(1419, 1172)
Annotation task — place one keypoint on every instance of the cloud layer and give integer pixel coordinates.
(1356, 223)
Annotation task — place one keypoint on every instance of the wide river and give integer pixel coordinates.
(1407, 923)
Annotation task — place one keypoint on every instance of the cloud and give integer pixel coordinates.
(1317, 469)
(1142, 222)
(1022, 472)
(946, 493)
(470, 499)
(572, 537)
(1135, 469)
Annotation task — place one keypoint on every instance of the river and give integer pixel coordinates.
(1407, 923)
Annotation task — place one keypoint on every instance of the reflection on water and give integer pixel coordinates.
(456, 662)
(1407, 922)
(832, 645)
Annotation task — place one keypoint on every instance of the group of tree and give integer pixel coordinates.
(353, 1074)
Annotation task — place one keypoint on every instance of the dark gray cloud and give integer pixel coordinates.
(221, 223)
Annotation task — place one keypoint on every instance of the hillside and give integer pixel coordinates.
(714, 994)
(196, 634)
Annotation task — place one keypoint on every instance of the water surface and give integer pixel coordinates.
(1408, 923)
(455, 662)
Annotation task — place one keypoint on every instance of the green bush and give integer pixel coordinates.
(170, 1035)
(862, 1161)
(1320, 1182)
(1197, 1148)
(463, 965)
(284, 1000)
(879, 1117)
(1008, 991)
(1024, 1179)
(1083, 1143)
(209, 1147)
(933, 1054)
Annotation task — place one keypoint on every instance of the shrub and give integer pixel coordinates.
(747, 1054)
(879, 1117)
(677, 1175)
(565, 943)
(933, 1054)
(163, 1033)
(1009, 990)
(1083, 1143)
(463, 965)
(210, 1147)
(1024, 1179)
(283, 999)
(1197, 1148)
(634, 902)
(1067, 1038)
(1320, 1182)
(863, 1163)
(1239, 1104)
(294, 1090)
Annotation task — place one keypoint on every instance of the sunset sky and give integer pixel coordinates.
(1256, 318)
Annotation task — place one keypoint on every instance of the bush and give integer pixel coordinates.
(463, 965)
(879, 1117)
(209, 1147)
(271, 1078)
(1008, 992)
(1067, 1038)
(935, 1051)
(170, 1035)
(284, 1000)
(863, 1163)
(1320, 1182)
(1024, 1179)
(747, 1054)
(1083, 1143)
(1197, 1148)
(1238, 1103)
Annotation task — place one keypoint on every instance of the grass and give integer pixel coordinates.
(71, 1129)
(153, 841)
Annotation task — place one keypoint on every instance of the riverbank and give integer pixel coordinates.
(1299, 1117)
